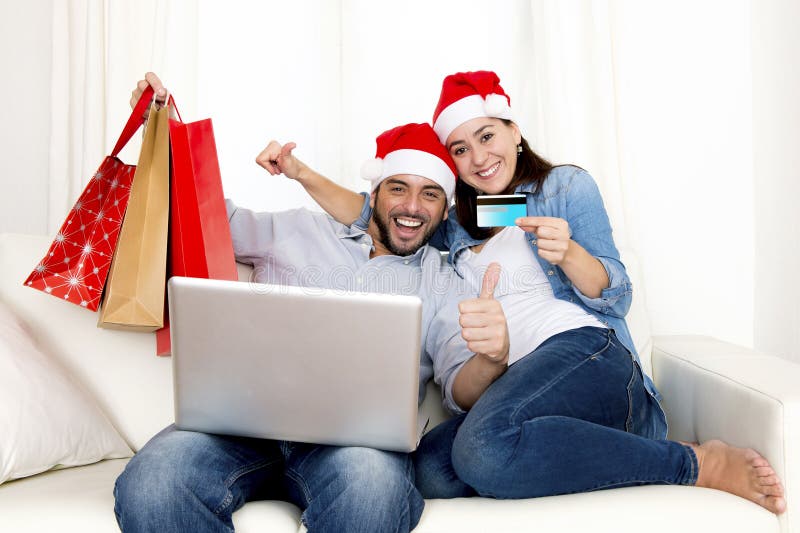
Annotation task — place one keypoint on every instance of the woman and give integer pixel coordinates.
(549, 395)
(535, 428)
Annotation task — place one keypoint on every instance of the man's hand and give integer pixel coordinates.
(483, 323)
(277, 159)
(552, 235)
(158, 88)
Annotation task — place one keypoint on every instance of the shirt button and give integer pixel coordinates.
(550, 272)
(359, 279)
(405, 262)
(533, 242)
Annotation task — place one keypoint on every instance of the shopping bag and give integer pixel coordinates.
(76, 265)
(200, 244)
(134, 293)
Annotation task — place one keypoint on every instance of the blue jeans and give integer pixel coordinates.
(188, 481)
(572, 416)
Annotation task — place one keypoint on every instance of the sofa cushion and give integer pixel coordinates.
(651, 509)
(47, 420)
(118, 368)
(82, 499)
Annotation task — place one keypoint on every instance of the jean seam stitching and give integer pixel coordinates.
(614, 484)
(693, 464)
(234, 477)
(291, 474)
(629, 418)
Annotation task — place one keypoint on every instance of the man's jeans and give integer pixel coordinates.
(187, 481)
(572, 416)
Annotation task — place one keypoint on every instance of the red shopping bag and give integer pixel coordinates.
(200, 244)
(76, 266)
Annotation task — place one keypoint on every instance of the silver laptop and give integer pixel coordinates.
(295, 363)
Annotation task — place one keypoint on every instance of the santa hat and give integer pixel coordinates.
(411, 149)
(468, 95)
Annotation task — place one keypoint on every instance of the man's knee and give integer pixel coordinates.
(159, 478)
(365, 490)
(374, 472)
(148, 483)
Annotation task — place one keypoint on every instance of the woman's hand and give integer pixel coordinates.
(555, 246)
(553, 237)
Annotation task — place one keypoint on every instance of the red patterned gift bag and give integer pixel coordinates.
(76, 265)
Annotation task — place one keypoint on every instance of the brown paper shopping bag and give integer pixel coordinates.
(134, 293)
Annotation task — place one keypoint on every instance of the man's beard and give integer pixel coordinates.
(386, 236)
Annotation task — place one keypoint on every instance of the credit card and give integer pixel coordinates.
(501, 209)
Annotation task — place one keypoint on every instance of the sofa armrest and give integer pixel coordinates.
(713, 389)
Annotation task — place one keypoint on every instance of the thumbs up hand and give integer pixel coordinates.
(483, 323)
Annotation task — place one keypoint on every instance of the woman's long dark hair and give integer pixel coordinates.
(531, 168)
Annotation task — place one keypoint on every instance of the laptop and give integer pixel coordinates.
(296, 363)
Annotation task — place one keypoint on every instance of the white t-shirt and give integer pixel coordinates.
(532, 312)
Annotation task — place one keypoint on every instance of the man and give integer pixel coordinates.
(189, 481)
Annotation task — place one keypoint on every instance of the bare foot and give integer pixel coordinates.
(740, 471)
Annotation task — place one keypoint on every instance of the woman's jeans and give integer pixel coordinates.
(572, 416)
(188, 481)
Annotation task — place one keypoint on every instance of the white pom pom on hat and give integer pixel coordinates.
(372, 169)
(496, 105)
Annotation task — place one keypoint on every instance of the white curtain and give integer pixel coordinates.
(653, 98)
(573, 96)
(329, 75)
(100, 49)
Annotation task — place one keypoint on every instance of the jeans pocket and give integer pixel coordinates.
(637, 406)
(645, 418)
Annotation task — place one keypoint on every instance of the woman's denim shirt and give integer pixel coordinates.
(570, 193)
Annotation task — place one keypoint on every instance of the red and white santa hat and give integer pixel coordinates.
(468, 95)
(411, 149)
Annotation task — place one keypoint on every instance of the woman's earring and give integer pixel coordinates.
(519, 149)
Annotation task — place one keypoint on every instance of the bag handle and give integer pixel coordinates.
(136, 119)
(171, 102)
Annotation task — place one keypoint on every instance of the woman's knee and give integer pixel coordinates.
(481, 453)
(489, 458)
(433, 464)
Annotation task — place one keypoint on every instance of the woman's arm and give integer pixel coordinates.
(583, 246)
(585, 272)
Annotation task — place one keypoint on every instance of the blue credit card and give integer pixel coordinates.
(501, 209)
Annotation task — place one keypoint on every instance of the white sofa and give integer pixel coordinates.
(711, 389)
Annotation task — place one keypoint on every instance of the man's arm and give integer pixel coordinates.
(340, 202)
